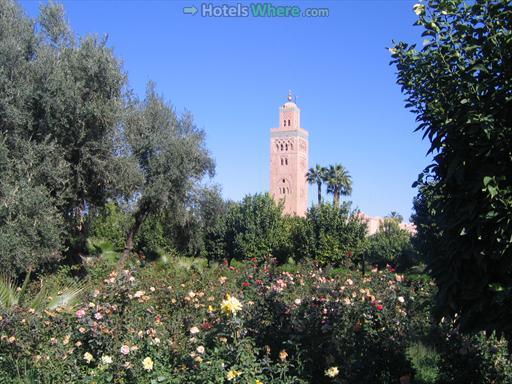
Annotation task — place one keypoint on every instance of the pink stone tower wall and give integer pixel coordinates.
(289, 160)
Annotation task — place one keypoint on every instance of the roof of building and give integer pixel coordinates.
(289, 104)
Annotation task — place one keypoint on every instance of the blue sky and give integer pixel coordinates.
(233, 74)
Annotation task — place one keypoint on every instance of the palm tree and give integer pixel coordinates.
(62, 295)
(317, 176)
(339, 182)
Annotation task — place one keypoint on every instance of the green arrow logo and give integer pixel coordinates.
(190, 10)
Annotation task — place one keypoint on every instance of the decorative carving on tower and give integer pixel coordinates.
(289, 160)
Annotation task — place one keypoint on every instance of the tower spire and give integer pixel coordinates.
(289, 95)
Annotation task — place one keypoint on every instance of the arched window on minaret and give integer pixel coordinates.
(289, 122)
(285, 123)
(286, 146)
(282, 147)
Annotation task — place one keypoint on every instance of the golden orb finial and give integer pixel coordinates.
(289, 95)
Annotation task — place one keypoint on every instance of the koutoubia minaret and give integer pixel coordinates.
(289, 160)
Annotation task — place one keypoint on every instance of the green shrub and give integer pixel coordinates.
(254, 228)
(152, 239)
(110, 223)
(330, 235)
(425, 362)
(295, 326)
(458, 86)
(390, 245)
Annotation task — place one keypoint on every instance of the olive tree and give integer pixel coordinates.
(67, 92)
(170, 155)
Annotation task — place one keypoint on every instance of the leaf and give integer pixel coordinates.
(9, 296)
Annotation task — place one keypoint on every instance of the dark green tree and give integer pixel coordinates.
(459, 85)
(330, 235)
(389, 245)
(110, 223)
(213, 210)
(254, 227)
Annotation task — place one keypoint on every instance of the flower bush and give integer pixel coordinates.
(251, 322)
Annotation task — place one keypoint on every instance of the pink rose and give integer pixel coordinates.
(125, 349)
(80, 313)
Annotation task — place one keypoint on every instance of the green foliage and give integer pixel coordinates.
(47, 298)
(170, 155)
(339, 182)
(254, 228)
(212, 211)
(330, 235)
(317, 175)
(152, 239)
(110, 223)
(30, 224)
(77, 101)
(65, 98)
(390, 245)
(425, 362)
(459, 86)
(302, 239)
(294, 324)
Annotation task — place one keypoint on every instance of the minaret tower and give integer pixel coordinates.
(289, 160)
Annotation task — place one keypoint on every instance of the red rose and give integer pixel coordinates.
(246, 284)
(206, 325)
(379, 307)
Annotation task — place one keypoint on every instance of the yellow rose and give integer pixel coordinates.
(88, 357)
(232, 374)
(231, 305)
(332, 372)
(147, 363)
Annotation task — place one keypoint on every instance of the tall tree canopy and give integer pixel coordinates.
(339, 182)
(72, 138)
(317, 175)
(170, 154)
(66, 93)
(460, 87)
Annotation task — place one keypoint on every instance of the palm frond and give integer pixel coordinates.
(64, 296)
(9, 294)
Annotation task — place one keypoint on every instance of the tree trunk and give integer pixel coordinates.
(336, 194)
(140, 215)
(319, 193)
(79, 237)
